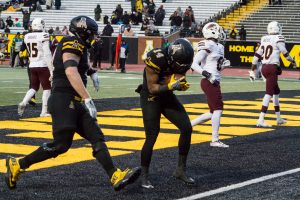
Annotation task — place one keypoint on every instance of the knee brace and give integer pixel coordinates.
(99, 146)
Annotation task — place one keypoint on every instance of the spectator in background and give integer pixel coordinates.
(107, 30)
(105, 19)
(151, 8)
(187, 21)
(17, 23)
(145, 11)
(15, 49)
(119, 11)
(50, 31)
(9, 21)
(176, 21)
(65, 31)
(160, 16)
(49, 4)
(26, 17)
(145, 24)
(166, 43)
(124, 50)
(57, 4)
(7, 30)
(179, 12)
(97, 12)
(97, 53)
(233, 32)
(126, 18)
(57, 31)
(27, 3)
(133, 5)
(128, 32)
(191, 13)
(243, 33)
(114, 18)
(139, 16)
(134, 18)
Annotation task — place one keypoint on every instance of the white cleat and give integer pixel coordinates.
(280, 121)
(45, 115)
(218, 144)
(21, 109)
(263, 124)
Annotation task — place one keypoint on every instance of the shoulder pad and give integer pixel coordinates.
(280, 38)
(72, 45)
(205, 45)
(155, 58)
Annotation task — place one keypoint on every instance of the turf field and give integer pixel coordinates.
(256, 166)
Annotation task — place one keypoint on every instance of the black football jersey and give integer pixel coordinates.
(69, 44)
(157, 60)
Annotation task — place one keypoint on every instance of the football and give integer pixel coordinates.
(167, 78)
(2, 56)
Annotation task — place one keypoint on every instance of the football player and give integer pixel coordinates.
(210, 61)
(157, 97)
(40, 65)
(72, 109)
(269, 52)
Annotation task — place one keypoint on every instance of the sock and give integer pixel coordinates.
(37, 156)
(215, 120)
(105, 160)
(30, 93)
(276, 105)
(46, 94)
(201, 119)
(264, 107)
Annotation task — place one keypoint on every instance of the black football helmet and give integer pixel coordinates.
(181, 54)
(84, 28)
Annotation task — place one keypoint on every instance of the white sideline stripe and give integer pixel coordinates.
(239, 185)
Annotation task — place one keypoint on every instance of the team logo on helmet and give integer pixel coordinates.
(82, 23)
(175, 47)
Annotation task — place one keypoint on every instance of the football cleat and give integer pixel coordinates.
(45, 115)
(13, 172)
(21, 109)
(280, 121)
(32, 102)
(120, 179)
(263, 124)
(218, 144)
(181, 175)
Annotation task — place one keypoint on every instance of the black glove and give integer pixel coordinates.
(279, 70)
(206, 74)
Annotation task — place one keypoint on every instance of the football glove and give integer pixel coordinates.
(226, 64)
(51, 76)
(176, 84)
(251, 76)
(89, 104)
(96, 81)
(185, 86)
(209, 77)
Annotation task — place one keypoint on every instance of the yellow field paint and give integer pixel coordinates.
(72, 156)
(122, 113)
(25, 125)
(289, 99)
(40, 135)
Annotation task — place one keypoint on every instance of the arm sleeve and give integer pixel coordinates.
(281, 46)
(257, 56)
(199, 57)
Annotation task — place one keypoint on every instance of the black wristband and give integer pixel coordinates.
(70, 63)
(163, 88)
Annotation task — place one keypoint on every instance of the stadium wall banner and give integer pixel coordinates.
(240, 53)
(145, 44)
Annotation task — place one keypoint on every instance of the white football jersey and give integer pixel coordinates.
(34, 43)
(270, 48)
(209, 57)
